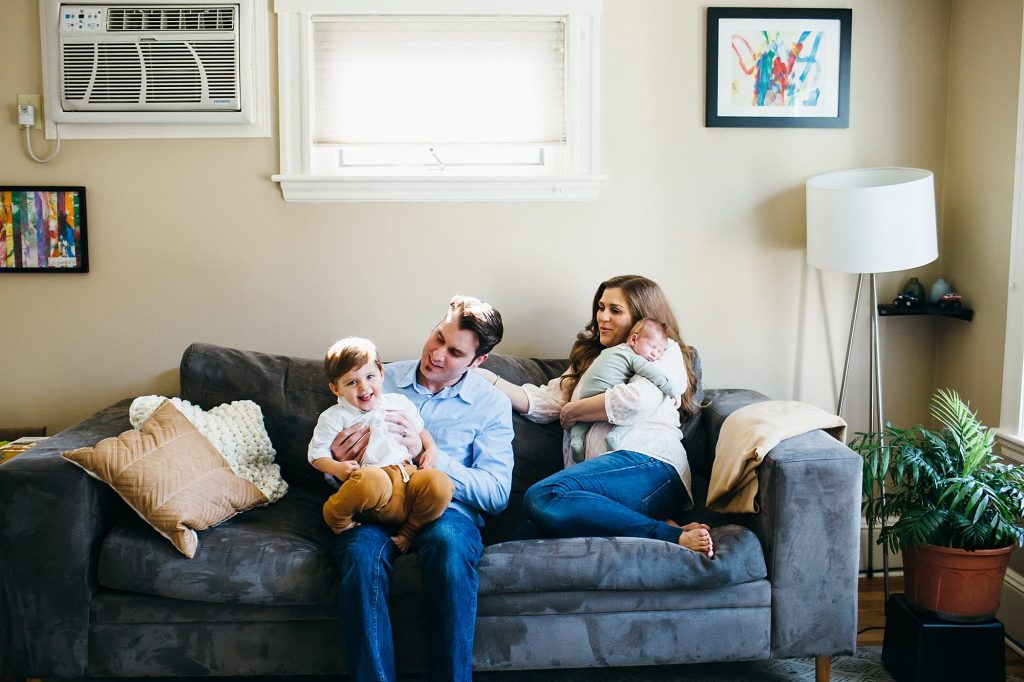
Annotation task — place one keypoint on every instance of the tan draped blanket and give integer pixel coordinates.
(747, 435)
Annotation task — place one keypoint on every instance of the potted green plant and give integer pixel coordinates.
(958, 509)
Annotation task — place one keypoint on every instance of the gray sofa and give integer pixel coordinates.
(88, 590)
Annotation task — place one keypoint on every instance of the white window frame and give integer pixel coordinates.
(581, 180)
(1011, 418)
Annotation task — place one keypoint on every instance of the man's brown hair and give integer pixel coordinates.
(480, 318)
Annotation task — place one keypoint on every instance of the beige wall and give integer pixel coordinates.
(984, 77)
(190, 240)
(984, 94)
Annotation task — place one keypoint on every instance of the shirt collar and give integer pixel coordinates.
(351, 409)
(405, 377)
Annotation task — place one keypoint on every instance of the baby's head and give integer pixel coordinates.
(648, 339)
(354, 372)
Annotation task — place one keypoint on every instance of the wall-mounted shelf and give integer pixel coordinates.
(889, 310)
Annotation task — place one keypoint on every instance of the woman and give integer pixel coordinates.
(629, 491)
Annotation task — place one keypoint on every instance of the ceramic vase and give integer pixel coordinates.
(940, 288)
(915, 288)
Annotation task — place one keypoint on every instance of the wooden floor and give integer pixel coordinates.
(871, 618)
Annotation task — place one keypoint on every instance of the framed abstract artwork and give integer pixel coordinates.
(43, 229)
(778, 68)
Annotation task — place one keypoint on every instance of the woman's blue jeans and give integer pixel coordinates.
(619, 494)
(449, 550)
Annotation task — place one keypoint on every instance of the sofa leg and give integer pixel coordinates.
(822, 668)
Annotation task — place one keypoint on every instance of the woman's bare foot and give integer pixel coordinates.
(691, 526)
(698, 539)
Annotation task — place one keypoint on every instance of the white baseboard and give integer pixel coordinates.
(895, 560)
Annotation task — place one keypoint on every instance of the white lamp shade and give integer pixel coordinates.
(871, 220)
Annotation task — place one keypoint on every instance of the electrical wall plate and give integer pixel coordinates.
(35, 101)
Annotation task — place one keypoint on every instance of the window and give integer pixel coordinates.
(1011, 419)
(438, 100)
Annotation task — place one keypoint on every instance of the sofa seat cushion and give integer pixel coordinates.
(569, 564)
(272, 555)
(753, 595)
(277, 556)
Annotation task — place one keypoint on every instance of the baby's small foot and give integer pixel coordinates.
(339, 531)
(401, 543)
(698, 539)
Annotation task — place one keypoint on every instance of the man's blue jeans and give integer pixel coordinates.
(619, 494)
(449, 550)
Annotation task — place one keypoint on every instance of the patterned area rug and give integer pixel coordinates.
(864, 666)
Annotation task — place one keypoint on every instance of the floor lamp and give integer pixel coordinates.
(867, 221)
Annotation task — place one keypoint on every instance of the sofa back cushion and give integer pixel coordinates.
(293, 392)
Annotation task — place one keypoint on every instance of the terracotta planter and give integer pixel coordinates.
(955, 584)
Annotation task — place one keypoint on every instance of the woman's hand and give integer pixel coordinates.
(567, 416)
(585, 410)
(350, 443)
(399, 424)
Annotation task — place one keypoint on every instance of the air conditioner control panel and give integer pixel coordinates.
(81, 18)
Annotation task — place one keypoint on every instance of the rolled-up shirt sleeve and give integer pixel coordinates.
(545, 401)
(634, 401)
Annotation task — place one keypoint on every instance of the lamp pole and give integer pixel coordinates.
(866, 221)
(879, 424)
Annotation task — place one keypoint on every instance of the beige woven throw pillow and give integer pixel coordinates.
(171, 475)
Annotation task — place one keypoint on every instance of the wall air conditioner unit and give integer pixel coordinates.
(154, 69)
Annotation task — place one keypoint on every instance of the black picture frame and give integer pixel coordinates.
(53, 217)
(826, 106)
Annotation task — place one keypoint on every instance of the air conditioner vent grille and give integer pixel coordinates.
(142, 19)
(150, 73)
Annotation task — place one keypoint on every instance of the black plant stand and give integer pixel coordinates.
(922, 648)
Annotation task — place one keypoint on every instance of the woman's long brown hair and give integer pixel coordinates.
(645, 299)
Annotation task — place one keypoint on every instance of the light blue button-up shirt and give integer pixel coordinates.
(471, 422)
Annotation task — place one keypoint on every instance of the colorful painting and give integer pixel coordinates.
(42, 229)
(778, 67)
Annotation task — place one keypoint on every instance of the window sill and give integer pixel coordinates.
(320, 188)
(1010, 446)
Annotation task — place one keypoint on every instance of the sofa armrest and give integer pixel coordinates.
(809, 492)
(53, 517)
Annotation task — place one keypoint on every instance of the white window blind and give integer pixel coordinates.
(450, 80)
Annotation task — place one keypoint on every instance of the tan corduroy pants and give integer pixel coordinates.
(382, 495)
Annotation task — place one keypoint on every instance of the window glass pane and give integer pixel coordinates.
(414, 80)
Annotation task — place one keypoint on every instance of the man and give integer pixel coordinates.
(471, 422)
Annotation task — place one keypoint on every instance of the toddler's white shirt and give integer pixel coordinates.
(384, 447)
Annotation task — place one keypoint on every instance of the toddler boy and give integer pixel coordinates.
(384, 486)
